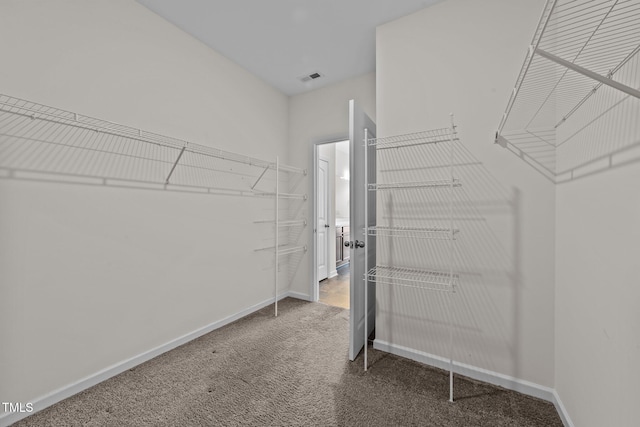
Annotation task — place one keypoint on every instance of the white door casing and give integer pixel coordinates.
(323, 219)
(358, 122)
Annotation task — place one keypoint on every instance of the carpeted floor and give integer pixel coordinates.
(291, 370)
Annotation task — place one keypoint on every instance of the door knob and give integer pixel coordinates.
(359, 244)
(326, 226)
(348, 244)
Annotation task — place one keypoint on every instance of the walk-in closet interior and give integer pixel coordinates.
(159, 182)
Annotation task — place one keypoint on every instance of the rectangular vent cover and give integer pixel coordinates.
(310, 77)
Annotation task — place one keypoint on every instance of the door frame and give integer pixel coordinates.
(315, 155)
(328, 206)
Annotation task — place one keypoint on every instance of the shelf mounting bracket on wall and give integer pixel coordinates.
(260, 177)
(176, 164)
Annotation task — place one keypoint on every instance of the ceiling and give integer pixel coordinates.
(281, 41)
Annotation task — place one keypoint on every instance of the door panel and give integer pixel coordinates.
(323, 218)
(358, 122)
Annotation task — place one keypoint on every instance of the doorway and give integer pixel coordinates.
(332, 223)
(362, 220)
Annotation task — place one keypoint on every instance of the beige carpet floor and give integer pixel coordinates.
(289, 371)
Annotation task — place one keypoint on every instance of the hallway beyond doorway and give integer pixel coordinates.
(335, 291)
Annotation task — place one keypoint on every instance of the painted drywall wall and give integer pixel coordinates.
(463, 56)
(597, 247)
(91, 276)
(320, 116)
(342, 181)
(597, 298)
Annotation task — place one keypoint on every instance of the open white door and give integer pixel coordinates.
(358, 122)
(323, 219)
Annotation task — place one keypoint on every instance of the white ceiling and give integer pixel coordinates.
(283, 40)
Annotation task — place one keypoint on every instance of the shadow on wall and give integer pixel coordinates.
(291, 232)
(604, 133)
(296, 235)
(482, 317)
(46, 144)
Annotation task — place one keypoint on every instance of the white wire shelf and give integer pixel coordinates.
(289, 251)
(285, 249)
(435, 233)
(433, 136)
(43, 139)
(410, 185)
(288, 223)
(579, 49)
(414, 278)
(299, 196)
(269, 248)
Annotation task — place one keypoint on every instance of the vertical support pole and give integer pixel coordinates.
(451, 256)
(366, 245)
(277, 231)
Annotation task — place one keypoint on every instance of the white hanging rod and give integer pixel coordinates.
(412, 139)
(286, 195)
(595, 88)
(292, 196)
(434, 233)
(289, 223)
(289, 251)
(595, 76)
(114, 181)
(55, 115)
(444, 183)
(410, 277)
(269, 248)
(282, 251)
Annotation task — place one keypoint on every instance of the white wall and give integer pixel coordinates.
(463, 56)
(319, 116)
(91, 276)
(342, 185)
(597, 298)
(597, 269)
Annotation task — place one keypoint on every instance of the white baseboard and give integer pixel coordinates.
(297, 295)
(429, 359)
(506, 381)
(333, 274)
(56, 396)
(562, 411)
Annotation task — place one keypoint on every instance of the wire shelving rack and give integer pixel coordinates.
(40, 139)
(283, 248)
(421, 164)
(581, 56)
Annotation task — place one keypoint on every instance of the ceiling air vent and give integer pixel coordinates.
(310, 77)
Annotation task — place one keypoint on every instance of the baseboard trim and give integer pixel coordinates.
(56, 396)
(470, 371)
(562, 411)
(298, 295)
(495, 378)
(333, 274)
